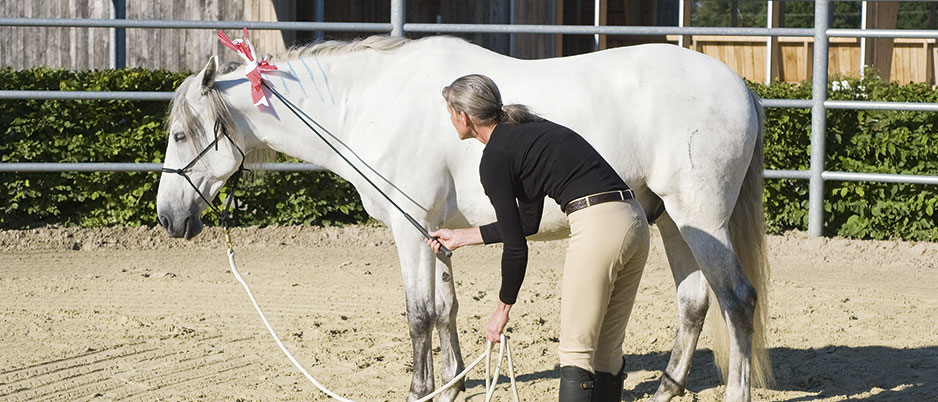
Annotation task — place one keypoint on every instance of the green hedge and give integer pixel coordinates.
(121, 131)
(126, 131)
(857, 141)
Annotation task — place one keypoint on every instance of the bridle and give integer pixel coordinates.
(223, 214)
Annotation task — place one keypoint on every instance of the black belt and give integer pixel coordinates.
(598, 198)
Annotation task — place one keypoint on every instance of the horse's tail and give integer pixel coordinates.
(747, 231)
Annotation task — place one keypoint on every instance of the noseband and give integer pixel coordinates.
(223, 215)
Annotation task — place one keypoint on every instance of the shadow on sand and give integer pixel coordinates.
(889, 374)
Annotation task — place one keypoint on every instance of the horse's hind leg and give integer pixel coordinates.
(446, 308)
(692, 301)
(713, 251)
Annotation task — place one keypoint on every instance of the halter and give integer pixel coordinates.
(223, 215)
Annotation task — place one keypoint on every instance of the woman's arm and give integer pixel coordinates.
(530, 215)
(454, 238)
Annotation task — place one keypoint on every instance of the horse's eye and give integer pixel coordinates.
(179, 136)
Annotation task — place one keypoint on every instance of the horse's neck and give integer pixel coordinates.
(324, 89)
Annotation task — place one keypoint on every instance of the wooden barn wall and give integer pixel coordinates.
(534, 46)
(912, 60)
(466, 12)
(89, 48)
(189, 49)
(529, 46)
(69, 48)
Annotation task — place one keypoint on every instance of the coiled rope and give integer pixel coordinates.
(504, 350)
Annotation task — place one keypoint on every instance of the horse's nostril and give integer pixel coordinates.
(164, 221)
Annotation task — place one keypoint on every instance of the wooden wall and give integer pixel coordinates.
(913, 60)
(88, 48)
(70, 48)
(190, 49)
(906, 60)
(465, 12)
(532, 46)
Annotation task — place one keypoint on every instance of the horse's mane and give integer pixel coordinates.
(181, 111)
(219, 109)
(381, 43)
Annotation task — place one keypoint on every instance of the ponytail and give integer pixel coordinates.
(514, 114)
(478, 96)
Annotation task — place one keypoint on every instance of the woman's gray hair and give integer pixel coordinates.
(478, 96)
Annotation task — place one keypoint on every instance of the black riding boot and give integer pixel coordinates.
(576, 384)
(608, 386)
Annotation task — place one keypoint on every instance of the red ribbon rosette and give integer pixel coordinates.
(253, 67)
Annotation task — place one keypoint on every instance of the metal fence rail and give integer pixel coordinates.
(397, 26)
(192, 24)
(51, 167)
(89, 95)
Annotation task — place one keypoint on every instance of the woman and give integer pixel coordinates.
(525, 159)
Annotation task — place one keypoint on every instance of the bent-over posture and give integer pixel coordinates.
(527, 158)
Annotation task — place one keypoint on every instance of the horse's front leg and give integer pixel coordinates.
(418, 269)
(446, 309)
(431, 301)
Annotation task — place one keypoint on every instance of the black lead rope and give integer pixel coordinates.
(306, 119)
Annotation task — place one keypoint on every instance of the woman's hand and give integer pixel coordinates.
(454, 238)
(496, 324)
(446, 237)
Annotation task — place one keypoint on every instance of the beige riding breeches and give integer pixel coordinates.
(605, 258)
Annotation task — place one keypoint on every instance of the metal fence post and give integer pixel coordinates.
(818, 118)
(398, 16)
(118, 35)
(319, 11)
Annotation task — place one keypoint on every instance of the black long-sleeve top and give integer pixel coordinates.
(523, 163)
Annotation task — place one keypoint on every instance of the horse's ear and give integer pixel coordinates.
(208, 73)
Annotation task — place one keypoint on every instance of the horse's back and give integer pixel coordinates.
(666, 118)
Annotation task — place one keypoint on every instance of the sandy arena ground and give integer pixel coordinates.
(129, 314)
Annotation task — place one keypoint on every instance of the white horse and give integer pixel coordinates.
(682, 130)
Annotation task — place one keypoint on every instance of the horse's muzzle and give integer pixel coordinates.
(188, 228)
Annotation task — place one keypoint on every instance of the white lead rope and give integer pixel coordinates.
(490, 381)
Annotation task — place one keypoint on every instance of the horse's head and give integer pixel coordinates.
(201, 153)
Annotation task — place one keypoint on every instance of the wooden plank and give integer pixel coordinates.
(883, 15)
(932, 54)
(901, 56)
(192, 48)
(773, 52)
(72, 59)
(558, 20)
(29, 58)
(761, 39)
(808, 60)
(498, 13)
(929, 63)
(62, 59)
(603, 17)
(790, 58)
(533, 46)
(170, 47)
(6, 32)
(755, 61)
(688, 7)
